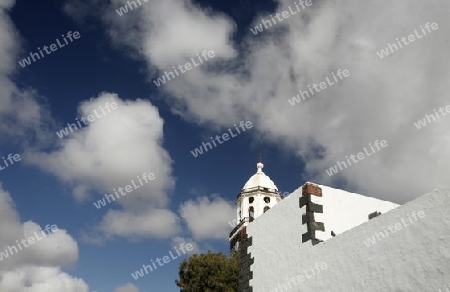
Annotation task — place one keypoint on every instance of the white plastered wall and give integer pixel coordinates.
(417, 258)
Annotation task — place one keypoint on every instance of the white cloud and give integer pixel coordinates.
(178, 241)
(180, 31)
(112, 151)
(208, 218)
(109, 153)
(37, 267)
(127, 288)
(7, 4)
(380, 100)
(40, 279)
(159, 223)
(58, 248)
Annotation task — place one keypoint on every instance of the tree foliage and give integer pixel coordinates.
(211, 272)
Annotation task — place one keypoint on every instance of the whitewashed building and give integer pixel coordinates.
(324, 239)
(257, 196)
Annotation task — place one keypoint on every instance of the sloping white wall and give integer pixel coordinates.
(344, 210)
(415, 258)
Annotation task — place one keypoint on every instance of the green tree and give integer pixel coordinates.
(211, 272)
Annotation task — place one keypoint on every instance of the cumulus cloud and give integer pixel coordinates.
(178, 241)
(108, 154)
(113, 150)
(217, 210)
(127, 288)
(160, 223)
(58, 248)
(40, 279)
(380, 100)
(36, 267)
(195, 28)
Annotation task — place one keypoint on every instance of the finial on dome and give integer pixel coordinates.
(260, 166)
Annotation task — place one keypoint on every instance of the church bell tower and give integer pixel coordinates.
(257, 196)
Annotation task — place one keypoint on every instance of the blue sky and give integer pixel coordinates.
(84, 69)
(154, 129)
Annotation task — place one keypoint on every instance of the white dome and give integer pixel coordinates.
(260, 179)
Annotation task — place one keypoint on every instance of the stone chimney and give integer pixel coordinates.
(310, 193)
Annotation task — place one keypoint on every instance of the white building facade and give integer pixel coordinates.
(324, 239)
(406, 249)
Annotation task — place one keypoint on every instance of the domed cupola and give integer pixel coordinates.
(259, 180)
(257, 196)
